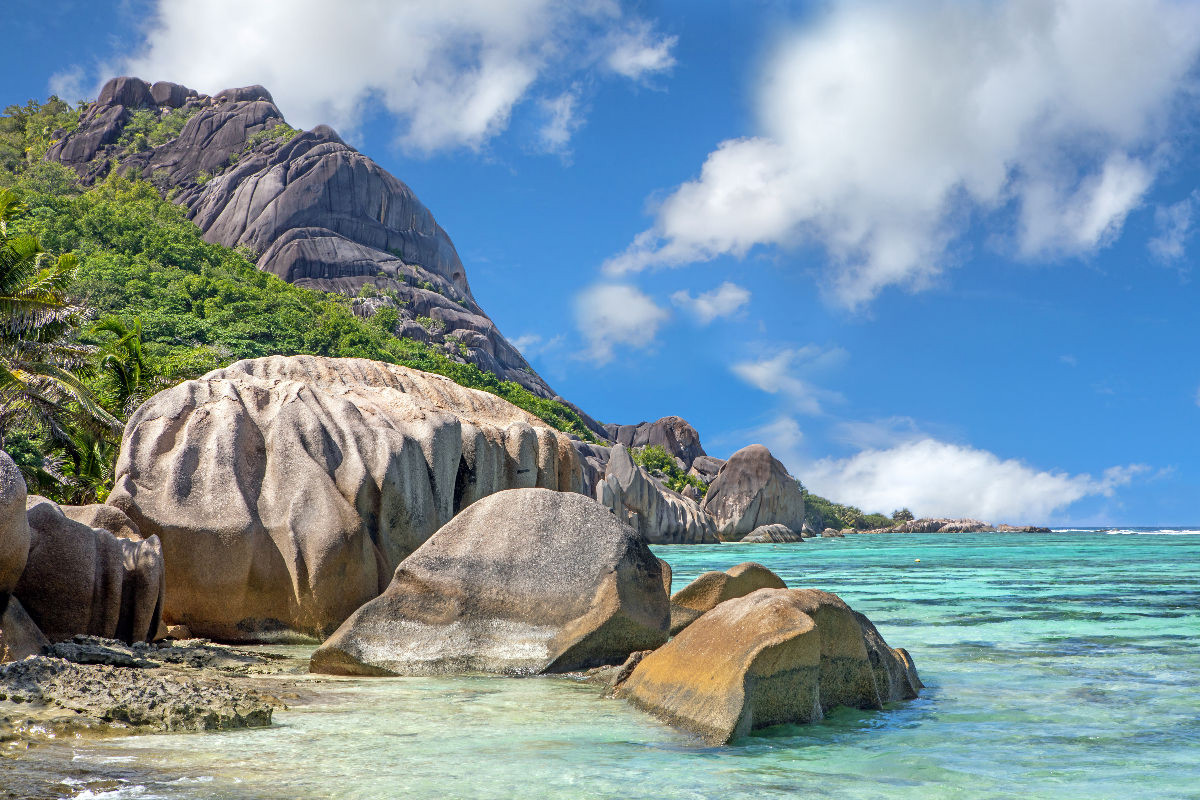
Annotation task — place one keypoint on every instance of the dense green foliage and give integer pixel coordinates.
(172, 306)
(662, 465)
(820, 513)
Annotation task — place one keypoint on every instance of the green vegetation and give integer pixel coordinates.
(148, 127)
(902, 515)
(169, 306)
(281, 131)
(662, 465)
(820, 513)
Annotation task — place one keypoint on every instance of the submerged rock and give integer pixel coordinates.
(713, 588)
(287, 490)
(656, 512)
(774, 656)
(753, 488)
(524, 581)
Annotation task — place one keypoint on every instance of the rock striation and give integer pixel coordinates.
(713, 588)
(81, 580)
(774, 656)
(286, 490)
(315, 211)
(659, 514)
(14, 529)
(525, 581)
(752, 489)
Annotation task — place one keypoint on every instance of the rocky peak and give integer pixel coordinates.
(315, 211)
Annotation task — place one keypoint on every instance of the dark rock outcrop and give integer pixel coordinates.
(753, 489)
(713, 588)
(774, 656)
(659, 514)
(673, 434)
(287, 490)
(81, 580)
(319, 213)
(942, 525)
(522, 582)
(706, 468)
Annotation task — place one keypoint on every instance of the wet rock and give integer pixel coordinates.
(774, 656)
(524, 581)
(287, 490)
(753, 489)
(772, 534)
(713, 588)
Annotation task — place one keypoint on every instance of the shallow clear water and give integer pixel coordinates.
(1057, 665)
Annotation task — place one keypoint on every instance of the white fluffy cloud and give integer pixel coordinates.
(933, 477)
(614, 314)
(723, 301)
(451, 71)
(777, 375)
(886, 128)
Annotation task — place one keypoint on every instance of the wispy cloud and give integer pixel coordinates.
(724, 301)
(777, 375)
(1175, 225)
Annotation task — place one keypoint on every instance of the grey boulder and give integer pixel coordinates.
(659, 514)
(524, 581)
(772, 534)
(752, 489)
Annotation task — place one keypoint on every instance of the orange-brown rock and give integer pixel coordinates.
(286, 490)
(522, 582)
(774, 656)
(712, 588)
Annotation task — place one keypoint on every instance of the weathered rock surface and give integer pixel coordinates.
(753, 489)
(14, 530)
(522, 582)
(673, 434)
(82, 580)
(106, 517)
(287, 490)
(19, 635)
(772, 534)
(656, 512)
(831, 533)
(706, 468)
(1021, 529)
(712, 588)
(774, 656)
(319, 213)
(145, 687)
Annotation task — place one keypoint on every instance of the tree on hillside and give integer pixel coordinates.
(902, 515)
(39, 355)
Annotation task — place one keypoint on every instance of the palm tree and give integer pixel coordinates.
(38, 352)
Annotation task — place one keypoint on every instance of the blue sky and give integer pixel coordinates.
(935, 254)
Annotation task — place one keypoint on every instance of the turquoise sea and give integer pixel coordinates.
(1057, 665)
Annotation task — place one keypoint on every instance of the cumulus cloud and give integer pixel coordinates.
(937, 478)
(615, 314)
(777, 375)
(724, 301)
(886, 128)
(452, 72)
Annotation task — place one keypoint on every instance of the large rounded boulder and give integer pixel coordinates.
(713, 588)
(14, 530)
(523, 582)
(81, 580)
(772, 657)
(752, 489)
(286, 490)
